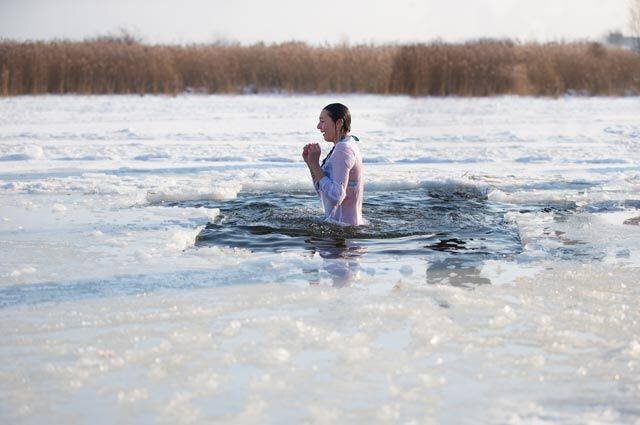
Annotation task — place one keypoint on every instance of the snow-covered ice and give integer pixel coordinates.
(110, 313)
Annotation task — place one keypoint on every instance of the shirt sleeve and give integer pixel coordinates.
(335, 188)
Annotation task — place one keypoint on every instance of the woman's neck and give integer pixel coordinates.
(340, 139)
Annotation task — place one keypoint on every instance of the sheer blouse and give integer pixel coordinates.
(341, 190)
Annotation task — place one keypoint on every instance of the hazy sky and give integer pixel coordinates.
(160, 21)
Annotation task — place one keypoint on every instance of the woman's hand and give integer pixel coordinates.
(313, 153)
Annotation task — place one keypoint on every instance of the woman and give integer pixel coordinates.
(339, 180)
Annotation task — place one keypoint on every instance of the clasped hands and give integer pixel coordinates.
(311, 153)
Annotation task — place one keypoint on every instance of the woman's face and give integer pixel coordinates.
(327, 126)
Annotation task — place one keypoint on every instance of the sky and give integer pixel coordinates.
(316, 22)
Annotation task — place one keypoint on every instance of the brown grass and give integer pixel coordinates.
(481, 68)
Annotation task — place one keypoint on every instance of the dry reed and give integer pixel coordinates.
(481, 68)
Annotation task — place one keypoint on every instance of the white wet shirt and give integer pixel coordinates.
(341, 190)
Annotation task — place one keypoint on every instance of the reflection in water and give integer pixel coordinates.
(410, 222)
(340, 261)
(456, 272)
(454, 231)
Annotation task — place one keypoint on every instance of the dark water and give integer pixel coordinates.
(452, 231)
(460, 223)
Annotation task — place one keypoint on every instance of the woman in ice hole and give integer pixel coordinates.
(339, 180)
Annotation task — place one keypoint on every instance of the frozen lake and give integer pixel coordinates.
(161, 260)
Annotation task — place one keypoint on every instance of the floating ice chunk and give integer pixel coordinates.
(280, 355)
(597, 161)
(634, 221)
(142, 256)
(276, 159)
(180, 194)
(23, 271)
(376, 160)
(152, 156)
(460, 184)
(210, 213)
(213, 253)
(279, 186)
(27, 153)
(126, 133)
(497, 195)
(438, 160)
(182, 239)
(390, 185)
(629, 131)
(533, 196)
(224, 158)
(534, 159)
(15, 157)
(185, 212)
(85, 158)
(58, 208)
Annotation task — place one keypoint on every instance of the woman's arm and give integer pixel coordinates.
(305, 157)
(311, 155)
(316, 172)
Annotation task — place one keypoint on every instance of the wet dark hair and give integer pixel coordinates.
(338, 111)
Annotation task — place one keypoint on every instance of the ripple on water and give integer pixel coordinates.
(461, 222)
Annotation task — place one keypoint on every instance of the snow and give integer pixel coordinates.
(109, 313)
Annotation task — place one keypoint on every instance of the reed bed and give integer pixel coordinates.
(479, 68)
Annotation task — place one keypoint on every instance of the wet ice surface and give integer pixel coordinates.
(162, 260)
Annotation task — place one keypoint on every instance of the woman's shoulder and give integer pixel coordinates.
(353, 148)
(349, 145)
(343, 150)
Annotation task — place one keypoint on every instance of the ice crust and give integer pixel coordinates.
(108, 313)
(282, 353)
